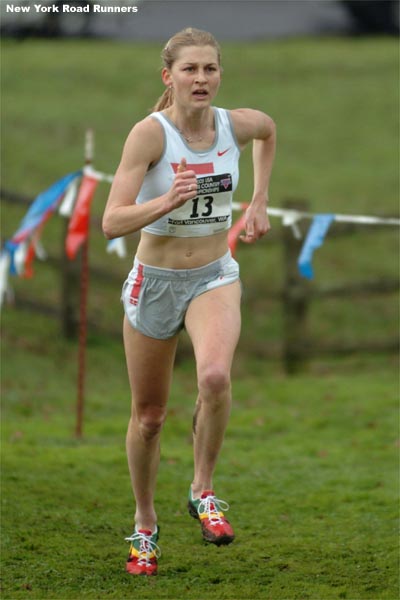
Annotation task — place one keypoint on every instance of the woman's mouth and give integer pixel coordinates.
(200, 93)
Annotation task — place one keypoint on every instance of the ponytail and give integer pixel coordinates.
(164, 101)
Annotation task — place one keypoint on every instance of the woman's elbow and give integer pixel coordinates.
(107, 229)
(270, 127)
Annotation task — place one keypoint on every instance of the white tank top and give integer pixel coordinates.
(217, 172)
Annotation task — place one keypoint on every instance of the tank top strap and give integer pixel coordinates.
(164, 122)
(226, 125)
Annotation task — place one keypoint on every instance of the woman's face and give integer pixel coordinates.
(195, 76)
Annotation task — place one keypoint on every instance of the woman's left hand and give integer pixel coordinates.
(256, 223)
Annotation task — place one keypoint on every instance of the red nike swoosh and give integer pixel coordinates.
(224, 152)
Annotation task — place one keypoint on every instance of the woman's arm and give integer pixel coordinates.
(143, 147)
(256, 126)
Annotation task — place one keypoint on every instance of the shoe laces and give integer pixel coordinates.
(212, 507)
(146, 547)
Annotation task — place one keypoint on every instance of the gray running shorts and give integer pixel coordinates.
(156, 300)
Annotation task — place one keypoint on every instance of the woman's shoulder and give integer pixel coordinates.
(244, 115)
(250, 123)
(149, 126)
(148, 132)
(241, 118)
(145, 141)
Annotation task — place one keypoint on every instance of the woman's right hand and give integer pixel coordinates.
(184, 186)
(143, 147)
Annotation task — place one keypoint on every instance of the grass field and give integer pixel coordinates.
(309, 468)
(310, 463)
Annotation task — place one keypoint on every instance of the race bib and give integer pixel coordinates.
(209, 212)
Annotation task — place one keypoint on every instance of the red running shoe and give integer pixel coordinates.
(143, 552)
(208, 509)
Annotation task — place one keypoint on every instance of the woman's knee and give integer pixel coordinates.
(149, 421)
(213, 381)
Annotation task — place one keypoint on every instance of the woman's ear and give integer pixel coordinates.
(166, 77)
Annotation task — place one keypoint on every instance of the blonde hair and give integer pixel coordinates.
(187, 37)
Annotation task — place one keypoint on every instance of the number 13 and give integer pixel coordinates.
(207, 206)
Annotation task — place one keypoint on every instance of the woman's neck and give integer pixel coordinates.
(192, 124)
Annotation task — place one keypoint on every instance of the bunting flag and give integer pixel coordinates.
(4, 270)
(19, 257)
(32, 224)
(291, 219)
(34, 248)
(315, 239)
(118, 246)
(78, 227)
(67, 205)
(42, 207)
(28, 263)
(236, 229)
(18, 253)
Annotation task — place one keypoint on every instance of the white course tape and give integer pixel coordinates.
(90, 172)
(290, 216)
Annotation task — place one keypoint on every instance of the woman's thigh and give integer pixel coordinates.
(213, 323)
(150, 364)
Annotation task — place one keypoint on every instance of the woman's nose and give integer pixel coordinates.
(201, 76)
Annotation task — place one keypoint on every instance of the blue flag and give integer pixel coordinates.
(43, 204)
(315, 239)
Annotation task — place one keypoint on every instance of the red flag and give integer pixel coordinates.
(78, 227)
(31, 250)
(28, 265)
(235, 231)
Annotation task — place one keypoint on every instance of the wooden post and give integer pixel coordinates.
(80, 400)
(70, 270)
(296, 299)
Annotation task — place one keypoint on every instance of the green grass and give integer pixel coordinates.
(309, 464)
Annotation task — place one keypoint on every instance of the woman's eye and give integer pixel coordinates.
(191, 69)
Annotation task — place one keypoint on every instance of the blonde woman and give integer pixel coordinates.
(178, 171)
